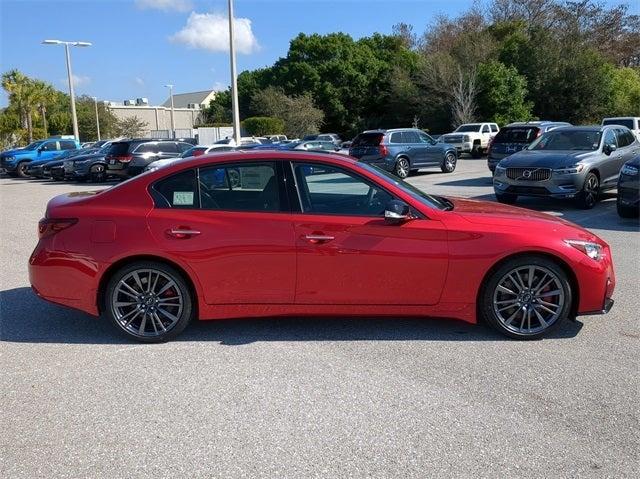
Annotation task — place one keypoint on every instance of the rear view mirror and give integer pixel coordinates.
(396, 212)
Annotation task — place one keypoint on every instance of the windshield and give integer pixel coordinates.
(562, 140)
(471, 127)
(34, 145)
(429, 200)
(519, 134)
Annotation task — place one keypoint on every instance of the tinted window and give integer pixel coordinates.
(610, 138)
(424, 138)
(119, 148)
(494, 127)
(520, 134)
(628, 122)
(147, 148)
(485, 129)
(396, 137)
(367, 139)
(177, 191)
(565, 139)
(467, 128)
(182, 147)
(67, 145)
(327, 190)
(410, 137)
(50, 146)
(622, 138)
(240, 187)
(167, 147)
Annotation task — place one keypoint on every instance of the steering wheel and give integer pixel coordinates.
(206, 192)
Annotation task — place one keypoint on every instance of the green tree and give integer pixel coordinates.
(502, 94)
(219, 109)
(132, 127)
(299, 115)
(21, 94)
(625, 99)
(86, 112)
(263, 125)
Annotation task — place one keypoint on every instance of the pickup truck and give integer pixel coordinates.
(15, 162)
(472, 138)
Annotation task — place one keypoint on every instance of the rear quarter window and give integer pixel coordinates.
(179, 190)
(118, 149)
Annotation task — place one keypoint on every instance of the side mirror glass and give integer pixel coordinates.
(396, 212)
(608, 149)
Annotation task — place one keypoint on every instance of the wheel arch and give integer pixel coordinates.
(573, 280)
(114, 267)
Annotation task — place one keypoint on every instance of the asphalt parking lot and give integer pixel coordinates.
(317, 397)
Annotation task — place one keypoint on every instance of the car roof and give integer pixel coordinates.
(538, 123)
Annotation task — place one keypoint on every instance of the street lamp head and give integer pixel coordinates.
(51, 42)
(169, 86)
(82, 44)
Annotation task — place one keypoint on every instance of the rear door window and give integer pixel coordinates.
(240, 187)
(67, 145)
(485, 129)
(396, 137)
(494, 127)
(177, 191)
(410, 137)
(50, 146)
(148, 148)
(167, 147)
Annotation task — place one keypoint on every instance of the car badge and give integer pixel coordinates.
(527, 174)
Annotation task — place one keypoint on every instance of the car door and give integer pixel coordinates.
(49, 151)
(232, 225)
(486, 135)
(610, 165)
(414, 148)
(347, 253)
(433, 151)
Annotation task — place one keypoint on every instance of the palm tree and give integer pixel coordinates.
(43, 95)
(22, 94)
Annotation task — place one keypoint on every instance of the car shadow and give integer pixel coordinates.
(481, 181)
(25, 318)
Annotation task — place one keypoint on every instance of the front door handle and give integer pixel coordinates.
(319, 238)
(182, 233)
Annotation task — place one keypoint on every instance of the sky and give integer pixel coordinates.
(141, 45)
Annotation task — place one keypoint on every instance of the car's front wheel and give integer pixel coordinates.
(21, 169)
(526, 297)
(402, 168)
(448, 165)
(149, 301)
(588, 197)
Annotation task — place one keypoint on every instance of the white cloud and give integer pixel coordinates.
(138, 81)
(219, 86)
(166, 5)
(210, 31)
(78, 80)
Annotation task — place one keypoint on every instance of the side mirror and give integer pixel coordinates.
(396, 212)
(608, 149)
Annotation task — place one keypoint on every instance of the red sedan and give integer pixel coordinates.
(269, 233)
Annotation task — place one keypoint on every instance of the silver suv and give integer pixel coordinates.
(572, 162)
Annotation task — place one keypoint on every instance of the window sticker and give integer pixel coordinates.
(183, 198)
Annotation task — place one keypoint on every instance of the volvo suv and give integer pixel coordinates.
(576, 162)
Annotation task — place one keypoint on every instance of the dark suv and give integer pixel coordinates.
(128, 158)
(402, 150)
(516, 137)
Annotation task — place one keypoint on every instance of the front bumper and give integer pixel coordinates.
(629, 191)
(464, 147)
(557, 186)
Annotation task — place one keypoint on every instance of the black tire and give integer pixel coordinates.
(625, 211)
(487, 309)
(476, 151)
(590, 193)
(506, 198)
(181, 289)
(21, 169)
(402, 168)
(449, 163)
(97, 173)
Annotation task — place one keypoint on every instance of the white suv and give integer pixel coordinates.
(473, 138)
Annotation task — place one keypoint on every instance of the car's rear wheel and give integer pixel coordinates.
(97, 173)
(402, 168)
(448, 165)
(149, 301)
(21, 169)
(506, 198)
(588, 197)
(526, 297)
(626, 211)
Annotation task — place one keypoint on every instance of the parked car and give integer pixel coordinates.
(36, 169)
(192, 152)
(335, 237)
(472, 138)
(332, 137)
(128, 158)
(15, 162)
(571, 162)
(517, 136)
(631, 122)
(277, 138)
(91, 166)
(403, 150)
(628, 202)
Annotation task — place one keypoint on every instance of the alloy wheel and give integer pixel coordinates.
(528, 299)
(591, 190)
(402, 168)
(147, 303)
(450, 162)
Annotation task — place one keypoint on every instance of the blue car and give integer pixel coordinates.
(15, 162)
(35, 168)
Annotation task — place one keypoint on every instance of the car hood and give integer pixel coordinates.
(490, 213)
(546, 159)
(15, 152)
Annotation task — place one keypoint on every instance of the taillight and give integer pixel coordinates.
(125, 158)
(51, 226)
(382, 149)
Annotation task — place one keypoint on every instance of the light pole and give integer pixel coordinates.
(173, 123)
(234, 81)
(95, 101)
(69, 74)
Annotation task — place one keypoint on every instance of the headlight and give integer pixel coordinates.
(467, 138)
(569, 170)
(500, 168)
(592, 250)
(629, 170)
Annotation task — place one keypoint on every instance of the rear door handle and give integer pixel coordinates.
(182, 233)
(319, 238)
